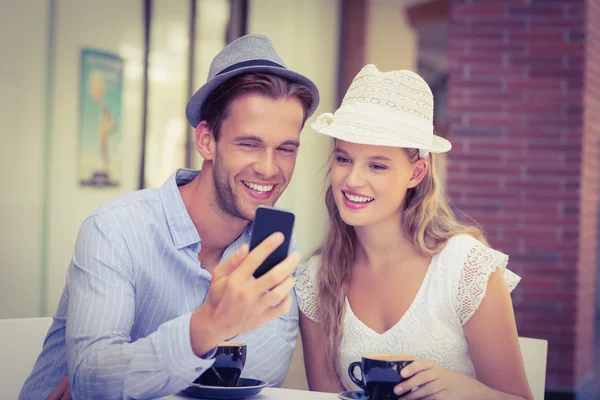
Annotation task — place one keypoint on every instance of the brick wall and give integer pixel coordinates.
(525, 159)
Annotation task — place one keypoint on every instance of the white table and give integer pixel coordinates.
(277, 394)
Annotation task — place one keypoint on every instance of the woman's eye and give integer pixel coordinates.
(378, 167)
(341, 159)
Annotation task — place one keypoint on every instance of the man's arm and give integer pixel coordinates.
(100, 355)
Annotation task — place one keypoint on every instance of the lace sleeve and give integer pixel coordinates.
(480, 263)
(305, 288)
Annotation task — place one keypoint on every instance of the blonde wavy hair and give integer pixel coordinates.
(427, 220)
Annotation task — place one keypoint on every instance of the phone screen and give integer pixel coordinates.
(268, 221)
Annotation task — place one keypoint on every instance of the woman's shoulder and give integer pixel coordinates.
(457, 249)
(468, 264)
(309, 266)
(469, 250)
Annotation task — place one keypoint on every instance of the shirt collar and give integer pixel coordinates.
(183, 231)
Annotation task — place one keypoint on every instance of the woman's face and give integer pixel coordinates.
(370, 182)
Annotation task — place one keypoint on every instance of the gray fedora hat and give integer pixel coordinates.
(249, 53)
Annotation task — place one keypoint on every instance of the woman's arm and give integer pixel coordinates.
(314, 359)
(493, 340)
(492, 336)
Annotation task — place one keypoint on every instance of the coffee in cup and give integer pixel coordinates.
(227, 368)
(380, 374)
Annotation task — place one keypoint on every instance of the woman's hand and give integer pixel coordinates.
(434, 382)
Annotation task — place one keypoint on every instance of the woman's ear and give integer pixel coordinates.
(205, 141)
(419, 170)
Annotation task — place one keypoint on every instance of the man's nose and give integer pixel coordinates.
(266, 165)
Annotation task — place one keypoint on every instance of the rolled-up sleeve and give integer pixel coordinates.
(102, 360)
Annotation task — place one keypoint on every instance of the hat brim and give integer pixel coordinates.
(363, 134)
(194, 105)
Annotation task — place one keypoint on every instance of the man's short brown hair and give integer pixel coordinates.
(216, 107)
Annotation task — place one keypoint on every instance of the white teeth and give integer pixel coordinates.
(258, 188)
(358, 199)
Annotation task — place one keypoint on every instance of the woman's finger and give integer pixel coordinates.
(417, 380)
(415, 367)
(426, 392)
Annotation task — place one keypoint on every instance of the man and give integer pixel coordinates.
(160, 277)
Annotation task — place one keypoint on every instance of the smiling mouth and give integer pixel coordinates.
(260, 189)
(357, 199)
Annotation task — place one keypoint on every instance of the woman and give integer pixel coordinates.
(398, 273)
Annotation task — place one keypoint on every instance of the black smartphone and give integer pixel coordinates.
(269, 220)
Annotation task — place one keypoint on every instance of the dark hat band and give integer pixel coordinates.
(250, 63)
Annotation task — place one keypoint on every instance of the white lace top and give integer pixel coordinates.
(432, 327)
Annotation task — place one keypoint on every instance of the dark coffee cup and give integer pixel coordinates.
(380, 374)
(227, 368)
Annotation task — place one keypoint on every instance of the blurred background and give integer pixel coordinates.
(92, 100)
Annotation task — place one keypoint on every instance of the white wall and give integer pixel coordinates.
(167, 89)
(391, 42)
(22, 112)
(109, 25)
(305, 34)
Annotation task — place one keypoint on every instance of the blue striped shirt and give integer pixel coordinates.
(122, 329)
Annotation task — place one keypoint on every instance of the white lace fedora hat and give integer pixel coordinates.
(387, 109)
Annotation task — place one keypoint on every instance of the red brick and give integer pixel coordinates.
(496, 121)
(479, 94)
(556, 47)
(551, 170)
(576, 9)
(539, 59)
(486, 83)
(541, 95)
(493, 24)
(576, 34)
(502, 72)
(545, 84)
(568, 22)
(465, 33)
(480, 59)
(538, 10)
(487, 9)
(553, 71)
(549, 35)
(473, 106)
(495, 48)
(529, 108)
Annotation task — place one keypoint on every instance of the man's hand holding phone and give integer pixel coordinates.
(239, 303)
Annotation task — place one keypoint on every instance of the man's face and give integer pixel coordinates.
(256, 152)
